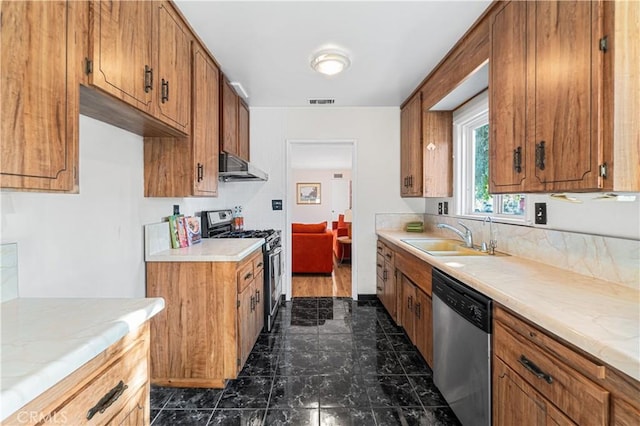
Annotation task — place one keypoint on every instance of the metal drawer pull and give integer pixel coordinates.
(249, 275)
(257, 296)
(106, 401)
(165, 91)
(259, 265)
(148, 78)
(535, 369)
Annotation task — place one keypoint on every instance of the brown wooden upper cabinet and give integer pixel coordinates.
(411, 148)
(550, 97)
(139, 52)
(426, 162)
(234, 122)
(39, 119)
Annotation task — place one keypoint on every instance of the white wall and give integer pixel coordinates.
(315, 213)
(90, 244)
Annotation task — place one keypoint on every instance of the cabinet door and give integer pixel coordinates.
(229, 121)
(390, 289)
(205, 134)
(246, 323)
(121, 51)
(437, 141)
(258, 319)
(411, 148)
(562, 96)
(517, 403)
(243, 130)
(507, 89)
(174, 69)
(408, 307)
(39, 113)
(424, 326)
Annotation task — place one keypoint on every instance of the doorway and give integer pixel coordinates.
(330, 166)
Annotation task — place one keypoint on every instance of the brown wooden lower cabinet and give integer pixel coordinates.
(417, 318)
(122, 369)
(539, 379)
(212, 318)
(386, 286)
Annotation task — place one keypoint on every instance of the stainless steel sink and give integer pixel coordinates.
(442, 247)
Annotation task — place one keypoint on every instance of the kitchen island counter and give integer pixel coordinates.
(602, 318)
(45, 340)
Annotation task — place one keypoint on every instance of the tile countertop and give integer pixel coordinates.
(209, 250)
(45, 340)
(600, 317)
(157, 247)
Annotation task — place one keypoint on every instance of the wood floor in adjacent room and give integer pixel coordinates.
(338, 284)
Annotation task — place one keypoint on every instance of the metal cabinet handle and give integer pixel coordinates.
(517, 159)
(148, 78)
(378, 265)
(529, 365)
(257, 296)
(108, 399)
(249, 275)
(418, 312)
(165, 90)
(259, 265)
(200, 172)
(410, 303)
(540, 154)
(253, 303)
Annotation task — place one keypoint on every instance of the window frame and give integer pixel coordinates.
(473, 114)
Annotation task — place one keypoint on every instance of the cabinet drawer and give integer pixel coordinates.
(417, 270)
(110, 394)
(380, 247)
(379, 264)
(575, 395)
(258, 264)
(388, 255)
(245, 276)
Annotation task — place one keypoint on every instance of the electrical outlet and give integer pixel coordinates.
(439, 208)
(445, 208)
(276, 204)
(540, 213)
(176, 209)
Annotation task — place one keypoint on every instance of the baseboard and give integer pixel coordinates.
(367, 297)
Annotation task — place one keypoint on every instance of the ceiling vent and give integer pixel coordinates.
(337, 175)
(321, 101)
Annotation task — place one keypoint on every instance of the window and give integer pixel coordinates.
(471, 135)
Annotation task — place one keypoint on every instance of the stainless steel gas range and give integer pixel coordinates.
(219, 224)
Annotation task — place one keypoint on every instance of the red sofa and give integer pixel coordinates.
(311, 250)
(340, 228)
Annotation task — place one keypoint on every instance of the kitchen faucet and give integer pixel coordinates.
(493, 243)
(466, 236)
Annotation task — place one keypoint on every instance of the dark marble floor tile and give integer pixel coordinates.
(415, 416)
(304, 303)
(295, 392)
(334, 326)
(336, 342)
(346, 417)
(246, 392)
(338, 362)
(332, 313)
(304, 314)
(401, 342)
(427, 391)
(306, 326)
(391, 391)
(389, 327)
(366, 327)
(160, 395)
(330, 303)
(373, 363)
(268, 342)
(300, 342)
(344, 390)
(293, 417)
(260, 364)
(154, 413)
(194, 398)
(237, 417)
(297, 363)
(182, 417)
(369, 303)
(372, 343)
(413, 363)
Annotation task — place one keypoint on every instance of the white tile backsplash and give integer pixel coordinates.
(9, 271)
(606, 258)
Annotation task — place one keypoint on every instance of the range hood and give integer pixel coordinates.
(234, 169)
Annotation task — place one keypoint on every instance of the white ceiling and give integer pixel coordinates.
(267, 45)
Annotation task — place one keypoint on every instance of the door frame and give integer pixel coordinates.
(290, 198)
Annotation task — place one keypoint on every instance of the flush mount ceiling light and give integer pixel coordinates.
(330, 62)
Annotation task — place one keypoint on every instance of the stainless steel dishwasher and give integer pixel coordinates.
(462, 349)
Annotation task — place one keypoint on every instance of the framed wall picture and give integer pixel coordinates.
(308, 193)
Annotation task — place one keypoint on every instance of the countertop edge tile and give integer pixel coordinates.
(599, 317)
(77, 340)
